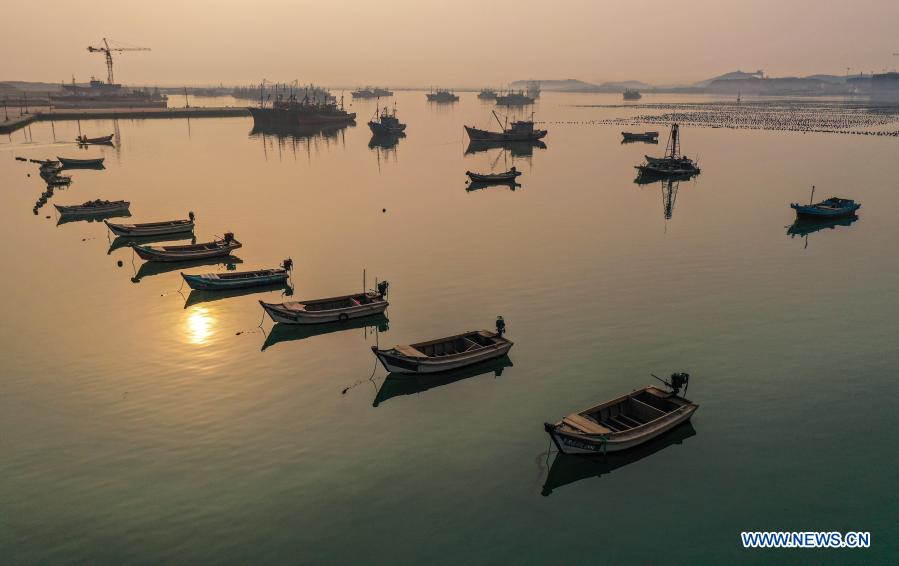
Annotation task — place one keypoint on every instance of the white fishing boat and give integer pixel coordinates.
(444, 354)
(625, 422)
(332, 309)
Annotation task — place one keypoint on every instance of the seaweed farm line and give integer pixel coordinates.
(831, 117)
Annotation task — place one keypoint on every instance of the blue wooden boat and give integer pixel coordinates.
(239, 279)
(834, 207)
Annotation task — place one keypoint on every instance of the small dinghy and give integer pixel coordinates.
(84, 140)
(625, 422)
(215, 248)
(81, 163)
(333, 309)
(239, 279)
(834, 207)
(640, 136)
(153, 228)
(93, 207)
(506, 176)
(444, 354)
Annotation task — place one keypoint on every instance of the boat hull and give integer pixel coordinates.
(151, 253)
(476, 135)
(382, 130)
(622, 423)
(267, 117)
(92, 210)
(75, 163)
(209, 282)
(419, 366)
(138, 231)
(287, 316)
(813, 212)
(498, 178)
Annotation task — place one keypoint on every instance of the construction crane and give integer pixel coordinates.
(108, 51)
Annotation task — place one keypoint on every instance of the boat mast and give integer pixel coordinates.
(673, 149)
(498, 120)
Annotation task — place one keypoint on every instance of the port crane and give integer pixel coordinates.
(108, 51)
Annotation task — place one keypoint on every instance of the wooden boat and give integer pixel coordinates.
(84, 140)
(505, 176)
(668, 169)
(94, 207)
(444, 354)
(153, 228)
(520, 130)
(625, 422)
(332, 309)
(239, 279)
(85, 163)
(640, 136)
(834, 207)
(215, 248)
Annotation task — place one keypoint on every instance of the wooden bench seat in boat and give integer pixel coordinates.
(409, 351)
(586, 425)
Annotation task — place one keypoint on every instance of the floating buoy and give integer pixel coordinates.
(119, 263)
(383, 210)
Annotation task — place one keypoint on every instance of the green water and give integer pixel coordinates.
(144, 424)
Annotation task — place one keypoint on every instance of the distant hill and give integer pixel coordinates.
(827, 78)
(567, 85)
(733, 75)
(575, 85)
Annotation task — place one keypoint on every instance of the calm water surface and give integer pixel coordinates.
(144, 423)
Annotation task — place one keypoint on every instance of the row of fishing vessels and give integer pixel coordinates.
(291, 111)
(369, 92)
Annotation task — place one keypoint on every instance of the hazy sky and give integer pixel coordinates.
(450, 43)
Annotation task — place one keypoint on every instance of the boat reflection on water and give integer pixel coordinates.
(649, 178)
(385, 141)
(125, 241)
(628, 141)
(805, 226)
(299, 136)
(289, 332)
(199, 296)
(396, 384)
(149, 268)
(478, 185)
(67, 218)
(567, 468)
(515, 148)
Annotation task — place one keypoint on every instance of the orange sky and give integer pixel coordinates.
(452, 43)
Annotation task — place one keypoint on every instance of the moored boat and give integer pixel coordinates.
(514, 99)
(673, 163)
(640, 136)
(239, 279)
(332, 309)
(84, 140)
(443, 354)
(487, 94)
(187, 252)
(631, 94)
(385, 122)
(624, 422)
(153, 228)
(94, 207)
(505, 176)
(520, 130)
(442, 95)
(72, 163)
(834, 207)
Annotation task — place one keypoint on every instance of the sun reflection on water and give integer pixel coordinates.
(199, 325)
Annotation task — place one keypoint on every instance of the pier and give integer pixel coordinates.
(15, 123)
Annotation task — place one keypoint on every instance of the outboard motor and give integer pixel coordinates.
(287, 264)
(191, 215)
(500, 325)
(679, 380)
(229, 237)
(382, 288)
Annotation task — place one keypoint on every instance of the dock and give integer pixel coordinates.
(16, 122)
(13, 124)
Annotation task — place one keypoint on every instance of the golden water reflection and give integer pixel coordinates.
(199, 325)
